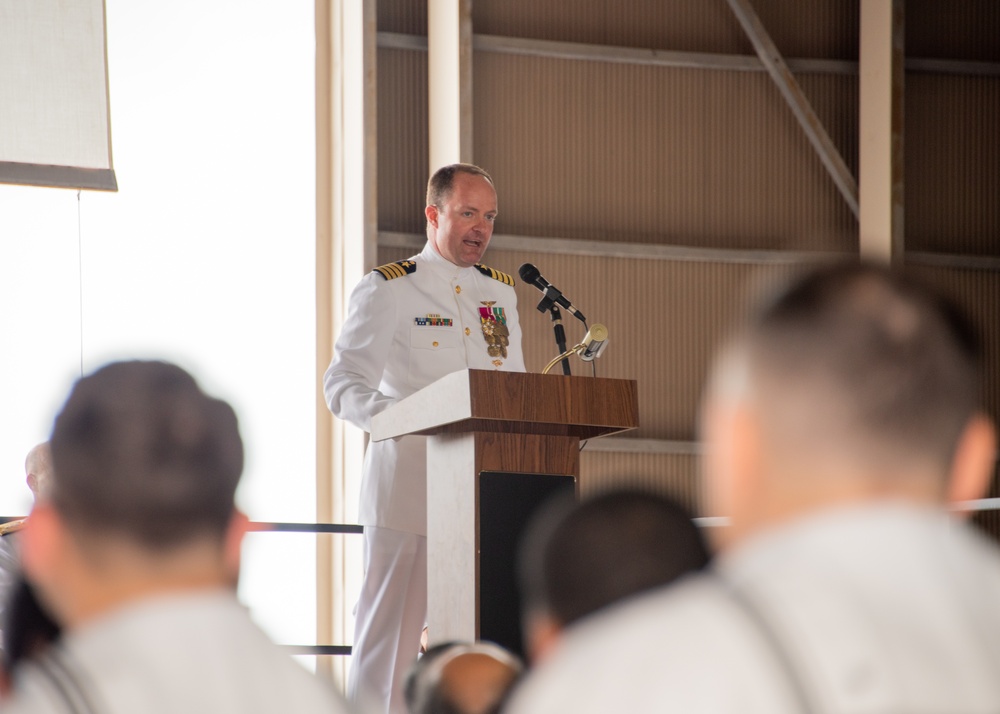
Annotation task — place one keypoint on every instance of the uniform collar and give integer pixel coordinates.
(859, 535)
(440, 265)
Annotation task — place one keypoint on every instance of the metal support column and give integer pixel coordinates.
(346, 248)
(449, 81)
(880, 135)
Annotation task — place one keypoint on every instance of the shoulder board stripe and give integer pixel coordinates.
(399, 269)
(495, 274)
(12, 526)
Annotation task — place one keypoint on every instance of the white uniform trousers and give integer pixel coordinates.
(391, 613)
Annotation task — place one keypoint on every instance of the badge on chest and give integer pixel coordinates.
(432, 320)
(495, 331)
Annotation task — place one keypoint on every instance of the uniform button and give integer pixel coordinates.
(458, 288)
(435, 344)
(467, 331)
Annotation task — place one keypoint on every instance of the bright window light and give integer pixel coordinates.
(204, 257)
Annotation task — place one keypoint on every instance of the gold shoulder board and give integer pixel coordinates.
(399, 269)
(12, 526)
(495, 274)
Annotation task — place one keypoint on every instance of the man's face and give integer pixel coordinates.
(461, 228)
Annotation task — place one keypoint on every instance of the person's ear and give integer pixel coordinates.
(731, 466)
(431, 212)
(974, 460)
(32, 482)
(542, 633)
(239, 524)
(41, 543)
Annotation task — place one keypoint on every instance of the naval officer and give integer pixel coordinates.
(410, 323)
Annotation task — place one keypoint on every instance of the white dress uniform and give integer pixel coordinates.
(409, 324)
(869, 610)
(196, 653)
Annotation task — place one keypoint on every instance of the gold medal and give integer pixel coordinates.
(495, 330)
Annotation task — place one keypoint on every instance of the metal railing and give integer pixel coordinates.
(286, 527)
(982, 504)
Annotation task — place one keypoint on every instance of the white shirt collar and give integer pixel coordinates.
(859, 535)
(440, 264)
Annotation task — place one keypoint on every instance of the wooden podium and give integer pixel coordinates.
(499, 444)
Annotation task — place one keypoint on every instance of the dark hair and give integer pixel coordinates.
(899, 359)
(440, 184)
(139, 451)
(577, 558)
(426, 690)
(413, 684)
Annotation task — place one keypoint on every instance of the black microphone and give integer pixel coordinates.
(529, 274)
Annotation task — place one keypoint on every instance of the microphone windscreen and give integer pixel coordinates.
(529, 273)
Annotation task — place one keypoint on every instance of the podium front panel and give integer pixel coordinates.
(455, 565)
(506, 503)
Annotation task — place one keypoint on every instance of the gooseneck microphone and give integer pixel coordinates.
(529, 274)
(594, 343)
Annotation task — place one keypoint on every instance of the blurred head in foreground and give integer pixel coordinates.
(145, 468)
(578, 558)
(837, 428)
(854, 385)
(458, 678)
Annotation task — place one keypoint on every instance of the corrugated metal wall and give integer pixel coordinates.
(951, 163)
(694, 157)
(402, 139)
(819, 28)
(674, 475)
(659, 155)
(952, 171)
(965, 30)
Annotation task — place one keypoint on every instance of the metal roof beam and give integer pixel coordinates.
(776, 66)
(583, 52)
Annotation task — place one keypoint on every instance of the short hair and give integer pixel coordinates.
(141, 453)
(427, 691)
(578, 558)
(440, 184)
(889, 364)
(415, 684)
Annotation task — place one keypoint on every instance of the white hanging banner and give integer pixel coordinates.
(55, 125)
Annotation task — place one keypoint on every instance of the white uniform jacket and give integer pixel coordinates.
(878, 609)
(193, 652)
(409, 324)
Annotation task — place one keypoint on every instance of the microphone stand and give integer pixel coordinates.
(557, 327)
(548, 305)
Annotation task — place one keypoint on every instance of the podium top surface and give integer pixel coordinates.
(475, 400)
